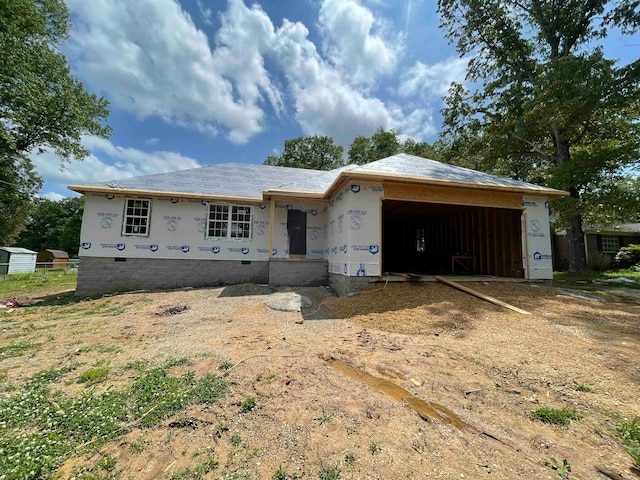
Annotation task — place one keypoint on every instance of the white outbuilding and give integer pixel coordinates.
(17, 260)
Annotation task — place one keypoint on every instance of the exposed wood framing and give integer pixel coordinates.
(451, 195)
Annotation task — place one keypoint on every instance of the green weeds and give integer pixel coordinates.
(555, 416)
(40, 428)
(329, 473)
(94, 375)
(196, 472)
(629, 433)
(248, 404)
(16, 349)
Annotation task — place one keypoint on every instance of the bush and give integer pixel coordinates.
(555, 416)
(600, 262)
(627, 256)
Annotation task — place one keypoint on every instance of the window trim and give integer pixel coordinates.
(125, 216)
(229, 221)
(612, 239)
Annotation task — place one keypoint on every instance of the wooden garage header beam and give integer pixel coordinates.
(451, 195)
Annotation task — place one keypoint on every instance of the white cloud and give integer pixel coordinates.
(324, 102)
(108, 162)
(149, 58)
(205, 13)
(356, 42)
(56, 197)
(152, 141)
(433, 80)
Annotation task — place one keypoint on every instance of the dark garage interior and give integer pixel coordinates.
(437, 239)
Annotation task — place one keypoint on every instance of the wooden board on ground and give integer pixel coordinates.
(482, 296)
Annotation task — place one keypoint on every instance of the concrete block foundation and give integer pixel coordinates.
(345, 286)
(100, 275)
(298, 273)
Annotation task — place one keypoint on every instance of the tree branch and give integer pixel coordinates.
(535, 149)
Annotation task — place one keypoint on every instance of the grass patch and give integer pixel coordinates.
(40, 428)
(94, 375)
(20, 282)
(629, 433)
(583, 387)
(248, 404)
(329, 473)
(593, 275)
(555, 416)
(16, 349)
(195, 472)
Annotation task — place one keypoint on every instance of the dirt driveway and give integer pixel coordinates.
(329, 390)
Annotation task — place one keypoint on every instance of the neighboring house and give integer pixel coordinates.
(235, 223)
(599, 240)
(17, 260)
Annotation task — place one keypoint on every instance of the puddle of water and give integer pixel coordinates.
(427, 410)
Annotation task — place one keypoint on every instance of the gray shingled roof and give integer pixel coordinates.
(412, 166)
(250, 181)
(231, 179)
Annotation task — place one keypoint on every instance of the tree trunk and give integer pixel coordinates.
(575, 242)
(575, 235)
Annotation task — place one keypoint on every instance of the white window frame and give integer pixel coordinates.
(145, 219)
(610, 244)
(229, 218)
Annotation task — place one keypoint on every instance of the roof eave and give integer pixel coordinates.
(373, 176)
(84, 189)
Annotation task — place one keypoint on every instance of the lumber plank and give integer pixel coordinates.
(482, 296)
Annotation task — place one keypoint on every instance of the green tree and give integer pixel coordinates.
(54, 224)
(317, 152)
(385, 143)
(41, 105)
(551, 108)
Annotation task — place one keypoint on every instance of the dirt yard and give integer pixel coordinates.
(404, 381)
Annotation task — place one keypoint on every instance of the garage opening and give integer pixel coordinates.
(436, 239)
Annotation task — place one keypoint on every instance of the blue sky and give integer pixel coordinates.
(200, 82)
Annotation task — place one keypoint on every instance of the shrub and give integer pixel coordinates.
(600, 262)
(248, 404)
(627, 256)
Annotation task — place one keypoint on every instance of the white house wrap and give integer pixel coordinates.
(233, 223)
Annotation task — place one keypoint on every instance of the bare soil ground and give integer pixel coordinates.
(326, 389)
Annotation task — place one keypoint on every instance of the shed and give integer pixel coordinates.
(17, 260)
(53, 258)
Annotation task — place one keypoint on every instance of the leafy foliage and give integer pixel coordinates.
(317, 152)
(41, 105)
(385, 143)
(627, 256)
(54, 224)
(552, 109)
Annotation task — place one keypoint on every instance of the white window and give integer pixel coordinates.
(610, 244)
(229, 221)
(137, 213)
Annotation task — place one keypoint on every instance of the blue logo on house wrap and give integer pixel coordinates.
(243, 250)
(86, 245)
(540, 256)
(274, 252)
(262, 206)
(529, 204)
(334, 250)
(361, 271)
(372, 249)
(174, 200)
(345, 268)
(215, 250)
(182, 248)
(153, 248)
(109, 196)
(355, 188)
(121, 246)
(343, 249)
(314, 212)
